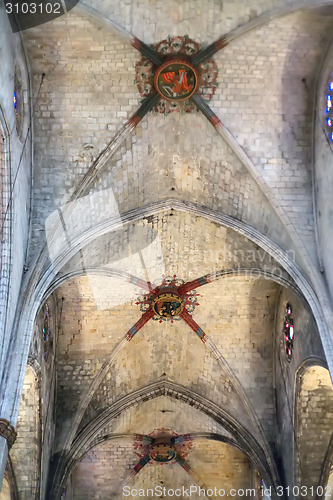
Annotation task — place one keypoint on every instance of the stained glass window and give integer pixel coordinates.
(47, 333)
(329, 110)
(288, 330)
(18, 101)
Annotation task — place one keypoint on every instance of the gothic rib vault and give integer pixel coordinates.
(172, 193)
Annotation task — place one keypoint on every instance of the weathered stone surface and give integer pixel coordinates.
(174, 198)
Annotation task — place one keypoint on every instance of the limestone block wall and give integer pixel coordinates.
(76, 113)
(265, 98)
(166, 156)
(314, 420)
(206, 22)
(236, 312)
(105, 469)
(25, 453)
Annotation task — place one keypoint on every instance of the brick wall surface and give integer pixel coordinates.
(102, 470)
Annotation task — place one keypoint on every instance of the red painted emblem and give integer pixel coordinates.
(176, 80)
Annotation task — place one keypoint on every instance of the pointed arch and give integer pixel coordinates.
(313, 421)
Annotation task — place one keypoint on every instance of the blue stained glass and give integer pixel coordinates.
(330, 86)
(15, 100)
(329, 122)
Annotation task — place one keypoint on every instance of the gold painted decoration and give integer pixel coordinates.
(162, 452)
(168, 305)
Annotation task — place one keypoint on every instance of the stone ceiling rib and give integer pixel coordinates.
(97, 381)
(135, 219)
(115, 143)
(245, 440)
(151, 338)
(95, 14)
(238, 226)
(202, 450)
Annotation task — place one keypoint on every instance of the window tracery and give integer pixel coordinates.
(288, 330)
(329, 109)
(47, 333)
(18, 101)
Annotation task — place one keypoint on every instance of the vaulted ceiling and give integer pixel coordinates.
(119, 208)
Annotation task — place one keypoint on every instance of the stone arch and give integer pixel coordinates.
(39, 282)
(313, 422)
(245, 441)
(224, 274)
(200, 457)
(282, 257)
(5, 227)
(28, 438)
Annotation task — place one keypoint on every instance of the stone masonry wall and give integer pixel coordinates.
(314, 424)
(307, 345)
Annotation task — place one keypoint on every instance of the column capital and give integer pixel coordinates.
(8, 432)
